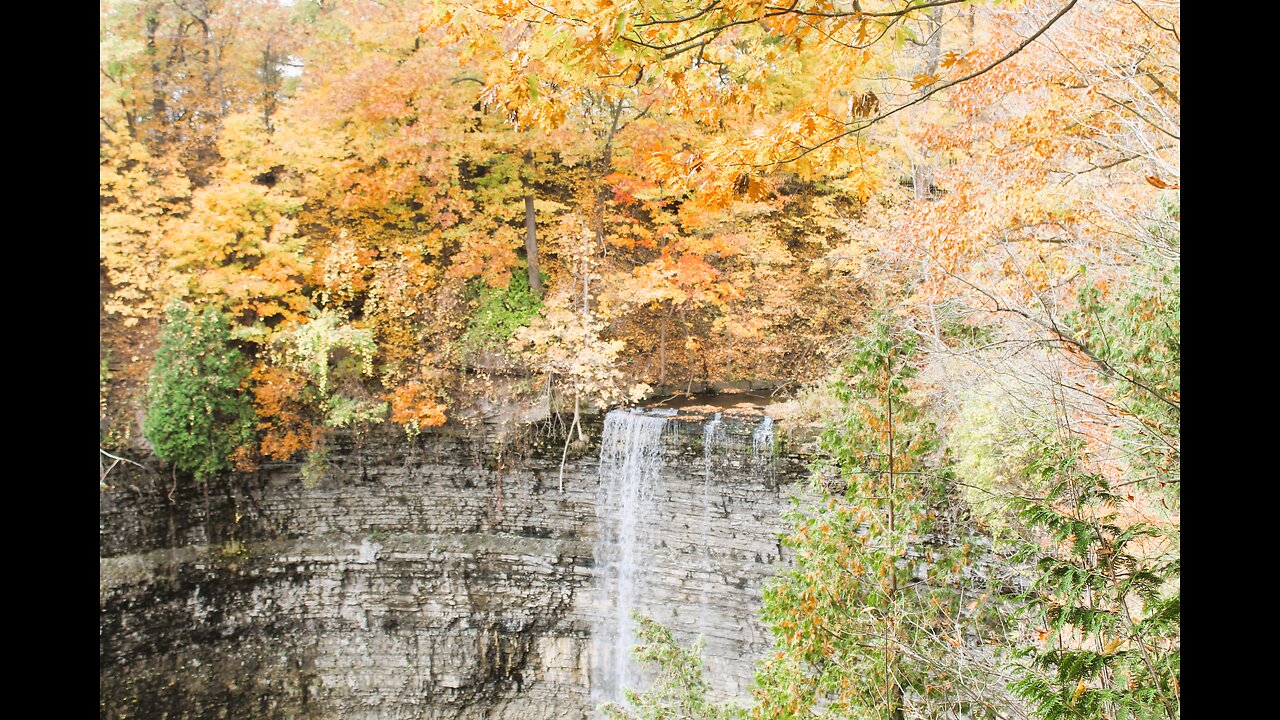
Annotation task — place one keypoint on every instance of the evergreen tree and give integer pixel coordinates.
(867, 619)
(197, 414)
(1106, 600)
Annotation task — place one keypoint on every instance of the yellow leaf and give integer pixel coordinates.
(1080, 688)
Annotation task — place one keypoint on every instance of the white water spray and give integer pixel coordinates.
(762, 441)
(710, 433)
(630, 461)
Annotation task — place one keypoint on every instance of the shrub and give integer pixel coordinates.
(500, 311)
(197, 414)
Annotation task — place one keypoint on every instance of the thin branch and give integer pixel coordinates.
(1155, 22)
(121, 459)
(1106, 367)
(680, 51)
(709, 31)
(102, 479)
(695, 16)
(1127, 106)
(550, 12)
(864, 125)
(888, 13)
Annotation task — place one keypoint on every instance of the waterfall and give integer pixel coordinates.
(630, 461)
(762, 441)
(710, 433)
(669, 548)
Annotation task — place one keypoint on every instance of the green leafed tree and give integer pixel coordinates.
(877, 618)
(680, 689)
(1106, 600)
(197, 415)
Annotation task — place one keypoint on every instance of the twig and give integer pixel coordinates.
(103, 479)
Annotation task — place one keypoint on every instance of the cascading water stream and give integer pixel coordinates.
(762, 442)
(630, 461)
(709, 437)
(657, 543)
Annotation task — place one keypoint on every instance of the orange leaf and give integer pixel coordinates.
(923, 79)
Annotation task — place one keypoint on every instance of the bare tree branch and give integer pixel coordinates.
(868, 123)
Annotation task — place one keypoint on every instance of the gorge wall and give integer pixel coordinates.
(452, 575)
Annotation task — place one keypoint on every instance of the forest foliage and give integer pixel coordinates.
(958, 221)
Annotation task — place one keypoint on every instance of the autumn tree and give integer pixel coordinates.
(716, 62)
(416, 198)
(679, 131)
(238, 244)
(881, 616)
(170, 73)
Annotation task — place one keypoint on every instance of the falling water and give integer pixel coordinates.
(762, 441)
(709, 437)
(638, 516)
(630, 461)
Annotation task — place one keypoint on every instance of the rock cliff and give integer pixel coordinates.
(454, 575)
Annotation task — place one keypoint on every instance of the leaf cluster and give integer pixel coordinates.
(500, 311)
(1106, 594)
(680, 689)
(197, 411)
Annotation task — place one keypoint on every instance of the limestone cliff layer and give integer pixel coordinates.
(448, 576)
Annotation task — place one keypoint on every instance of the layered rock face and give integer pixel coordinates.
(454, 575)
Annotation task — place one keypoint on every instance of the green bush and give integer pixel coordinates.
(334, 356)
(196, 413)
(500, 312)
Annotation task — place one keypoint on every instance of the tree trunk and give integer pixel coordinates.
(270, 86)
(606, 165)
(531, 247)
(530, 231)
(158, 106)
(922, 169)
(662, 351)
